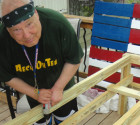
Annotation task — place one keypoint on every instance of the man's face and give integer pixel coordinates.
(28, 32)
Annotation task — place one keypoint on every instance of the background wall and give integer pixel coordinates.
(58, 5)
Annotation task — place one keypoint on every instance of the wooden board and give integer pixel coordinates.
(110, 8)
(98, 118)
(85, 121)
(84, 19)
(112, 118)
(111, 32)
(3, 107)
(3, 115)
(3, 98)
(87, 22)
(5, 120)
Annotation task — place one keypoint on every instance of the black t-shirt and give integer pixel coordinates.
(58, 44)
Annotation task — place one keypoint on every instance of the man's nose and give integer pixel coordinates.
(26, 33)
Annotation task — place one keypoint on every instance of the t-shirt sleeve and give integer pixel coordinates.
(6, 72)
(72, 50)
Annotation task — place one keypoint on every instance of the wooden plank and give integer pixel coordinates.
(109, 44)
(136, 12)
(3, 98)
(87, 22)
(135, 24)
(128, 117)
(114, 78)
(86, 120)
(112, 118)
(136, 121)
(125, 71)
(135, 86)
(103, 54)
(112, 20)
(83, 75)
(134, 36)
(28, 118)
(122, 106)
(4, 115)
(84, 19)
(124, 82)
(99, 63)
(103, 85)
(102, 64)
(86, 25)
(135, 59)
(135, 49)
(1, 103)
(36, 113)
(123, 99)
(137, 80)
(5, 120)
(111, 32)
(3, 108)
(4, 111)
(98, 118)
(110, 8)
(125, 91)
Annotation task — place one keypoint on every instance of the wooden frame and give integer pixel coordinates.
(87, 22)
(130, 118)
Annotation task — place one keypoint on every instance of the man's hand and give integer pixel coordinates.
(57, 90)
(57, 96)
(44, 96)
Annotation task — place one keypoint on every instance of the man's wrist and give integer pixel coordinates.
(56, 88)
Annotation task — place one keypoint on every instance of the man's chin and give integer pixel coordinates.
(30, 44)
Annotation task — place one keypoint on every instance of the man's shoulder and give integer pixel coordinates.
(3, 31)
(49, 13)
(5, 38)
(52, 15)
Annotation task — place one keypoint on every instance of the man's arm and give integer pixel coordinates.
(19, 85)
(67, 73)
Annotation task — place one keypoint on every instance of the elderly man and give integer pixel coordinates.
(39, 55)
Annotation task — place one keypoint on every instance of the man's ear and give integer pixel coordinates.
(8, 29)
(36, 13)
